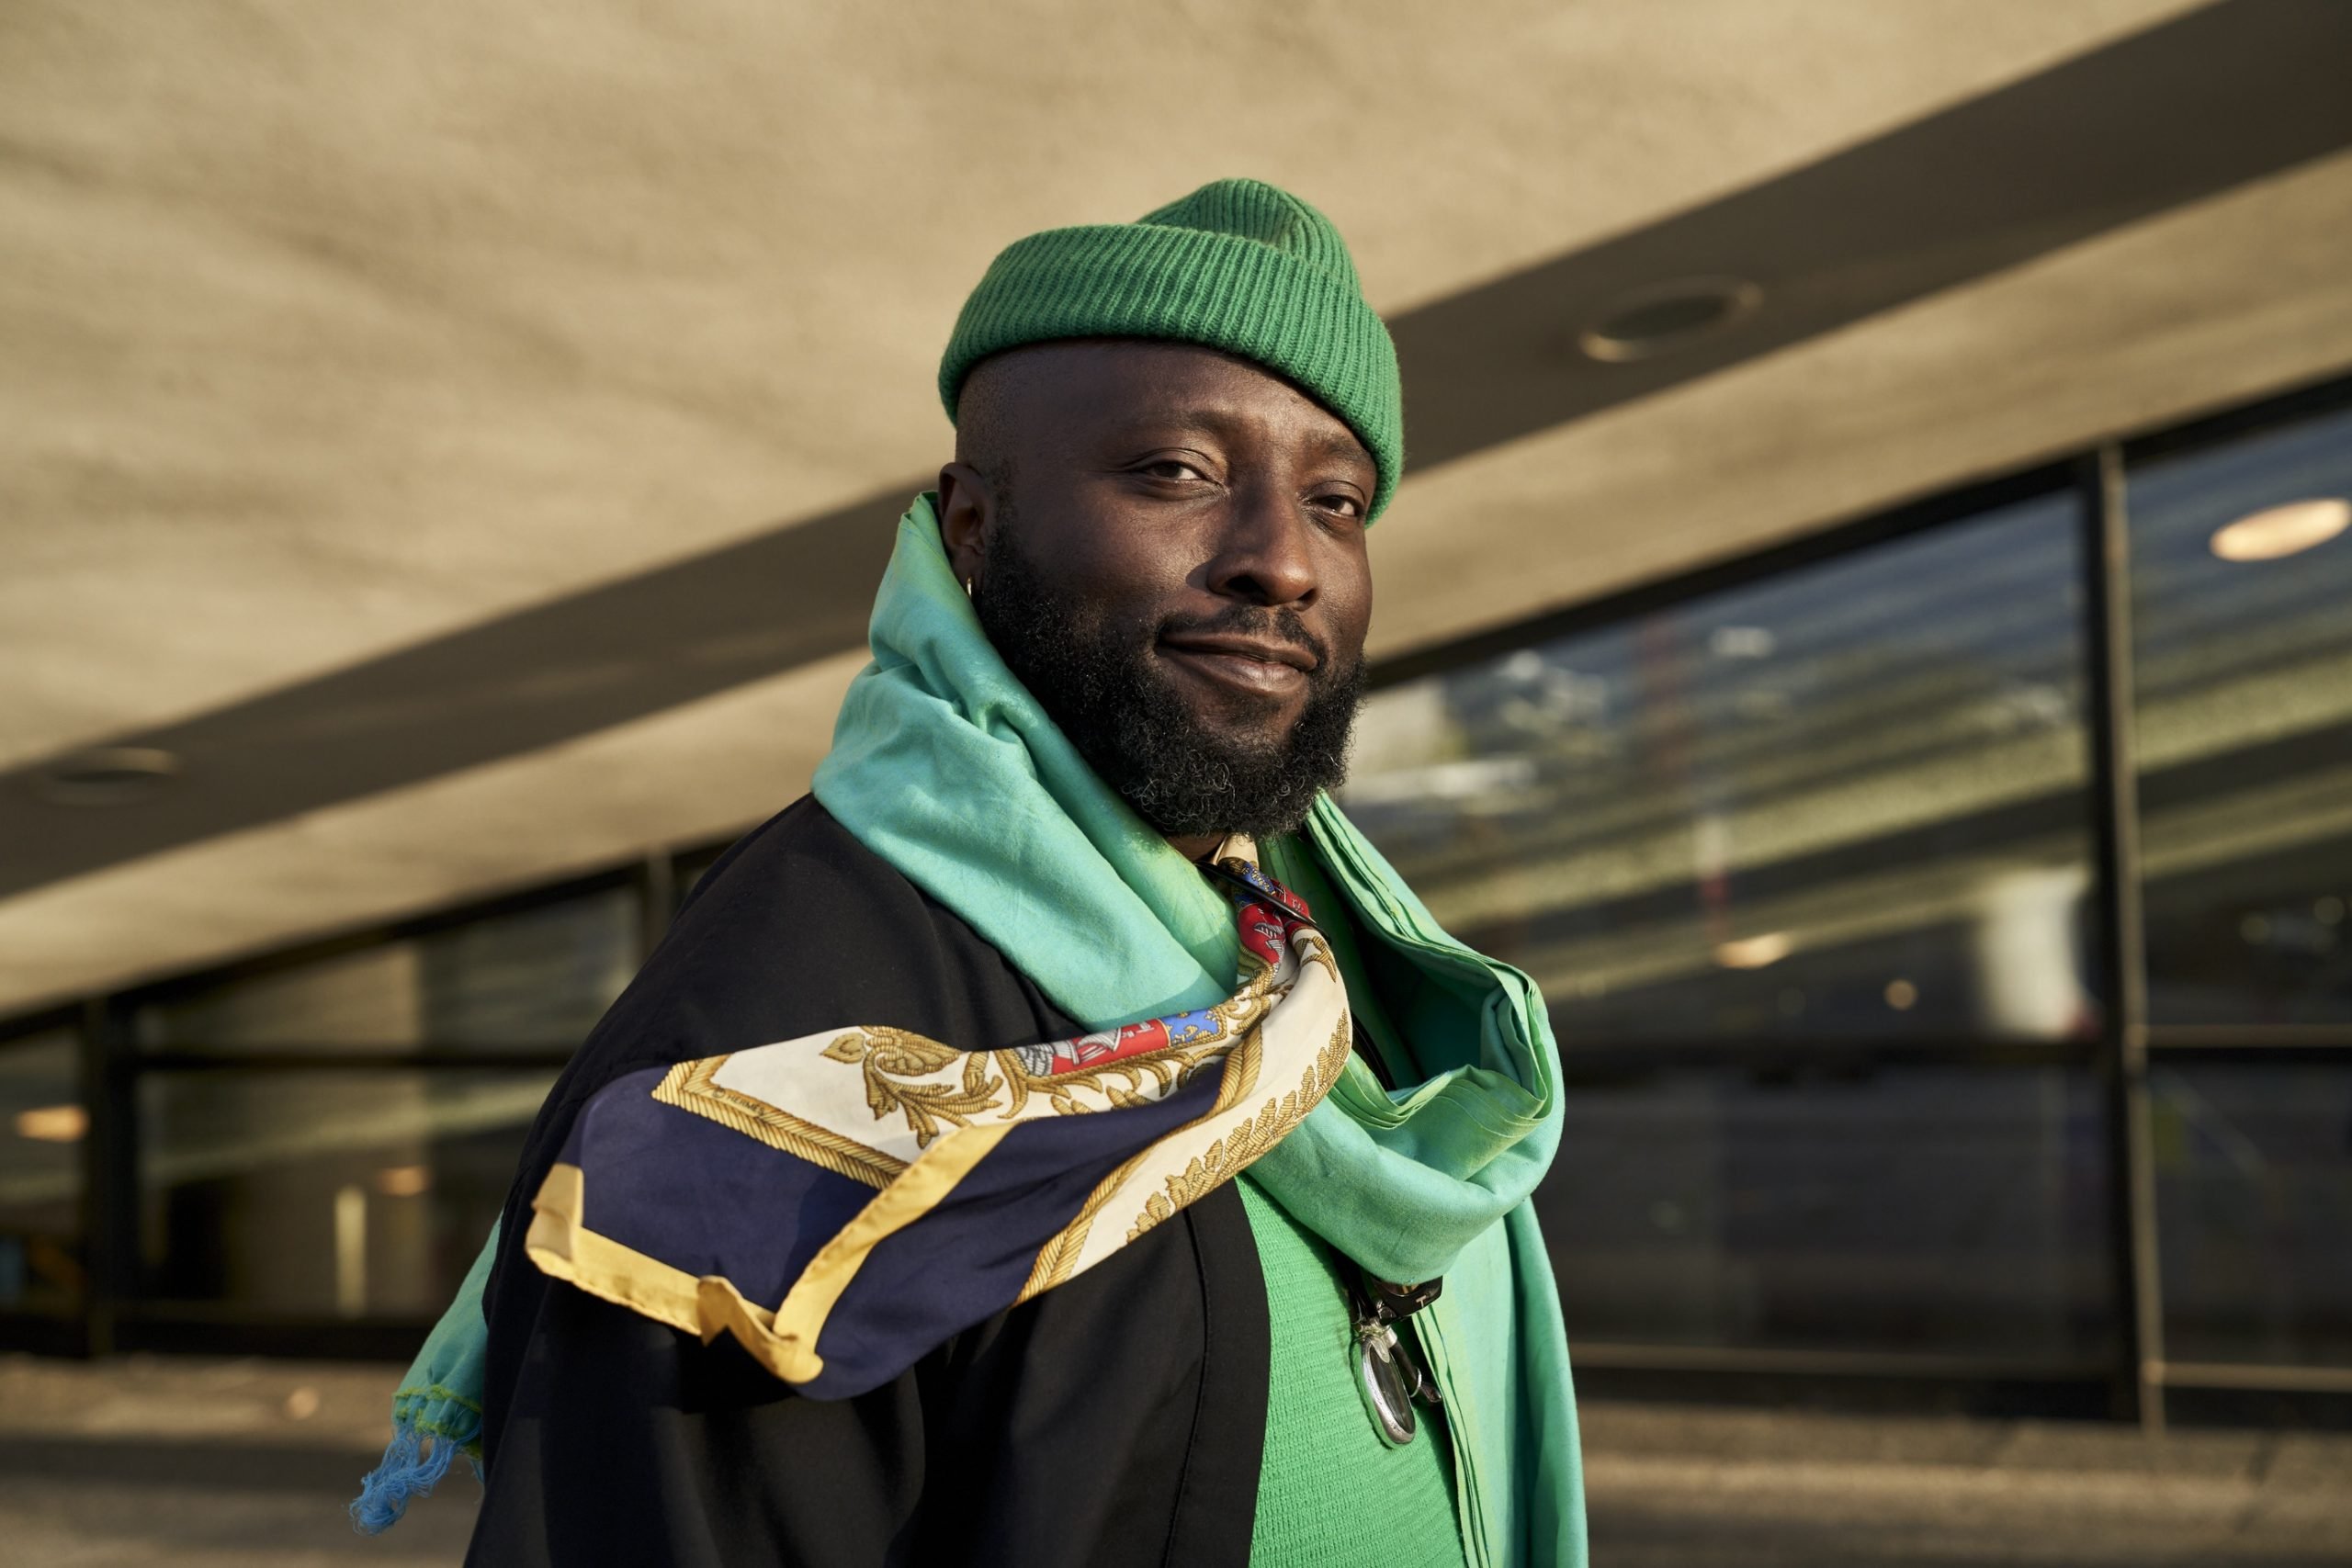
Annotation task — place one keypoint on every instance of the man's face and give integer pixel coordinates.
(1175, 565)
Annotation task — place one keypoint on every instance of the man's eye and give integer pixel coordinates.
(1340, 504)
(1172, 469)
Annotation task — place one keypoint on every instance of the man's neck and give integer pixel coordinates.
(1197, 846)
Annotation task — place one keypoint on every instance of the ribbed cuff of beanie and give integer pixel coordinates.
(1191, 286)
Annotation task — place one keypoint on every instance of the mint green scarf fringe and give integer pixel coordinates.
(437, 1412)
(945, 766)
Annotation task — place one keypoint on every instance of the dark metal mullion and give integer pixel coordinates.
(2250, 1055)
(2257, 1377)
(1960, 1366)
(1813, 1361)
(2325, 395)
(2316, 1041)
(2122, 952)
(657, 900)
(1624, 1054)
(109, 1169)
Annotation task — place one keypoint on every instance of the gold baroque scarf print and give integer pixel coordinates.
(844, 1202)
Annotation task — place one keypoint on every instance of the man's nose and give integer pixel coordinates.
(1265, 555)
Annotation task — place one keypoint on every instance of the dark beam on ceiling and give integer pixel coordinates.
(2154, 121)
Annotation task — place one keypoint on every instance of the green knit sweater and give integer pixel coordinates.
(1330, 1494)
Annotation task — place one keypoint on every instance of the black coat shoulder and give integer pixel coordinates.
(1117, 1419)
(798, 928)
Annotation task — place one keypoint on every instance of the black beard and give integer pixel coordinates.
(1100, 684)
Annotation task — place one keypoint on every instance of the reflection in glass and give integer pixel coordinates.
(42, 1123)
(537, 977)
(1848, 801)
(2253, 1198)
(2243, 677)
(1926, 1209)
(324, 1193)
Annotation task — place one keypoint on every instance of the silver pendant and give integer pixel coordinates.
(1381, 1379)
(1388, 1375)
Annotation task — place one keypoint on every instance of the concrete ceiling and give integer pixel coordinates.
(465, 433)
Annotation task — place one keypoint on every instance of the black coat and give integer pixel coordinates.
(1117, 1419)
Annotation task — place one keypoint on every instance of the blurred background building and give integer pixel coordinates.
(1868, 624)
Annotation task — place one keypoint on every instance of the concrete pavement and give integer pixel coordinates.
(156, 1463)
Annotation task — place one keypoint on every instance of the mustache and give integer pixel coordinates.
(1259, 623)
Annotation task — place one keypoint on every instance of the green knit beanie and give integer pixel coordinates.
(1237, 265)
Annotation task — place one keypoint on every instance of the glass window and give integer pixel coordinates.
(538, 977)
(42, 1123)
(542, 977)
(1949, 1210)
(370, 998)
(1848, 801)
(324, 1193)
(2244, 687)
(2253, 1200)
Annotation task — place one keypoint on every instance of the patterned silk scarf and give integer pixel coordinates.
(889, 1190)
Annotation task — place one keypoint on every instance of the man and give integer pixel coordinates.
(1059, 1139)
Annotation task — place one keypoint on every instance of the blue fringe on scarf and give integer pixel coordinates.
(413, 1461)
(436, 1414)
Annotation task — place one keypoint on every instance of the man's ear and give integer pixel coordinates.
(966, 510)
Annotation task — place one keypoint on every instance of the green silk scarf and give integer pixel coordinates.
(947, 767)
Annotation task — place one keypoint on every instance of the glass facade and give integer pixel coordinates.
(42, 1124)
(1809, 866)
(2253, 1165)
(323, 1194)
(2242, 610)
(537, 977)
(2243, 677)
(1845, 802)
(1917, 1208)
(1840, 872)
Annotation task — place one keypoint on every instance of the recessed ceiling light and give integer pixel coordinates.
(1667, 316)
(2283, 530)
(109, 776)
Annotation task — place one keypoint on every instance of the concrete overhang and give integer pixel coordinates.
(467, 439)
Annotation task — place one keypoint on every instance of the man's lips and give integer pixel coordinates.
(1242, 663)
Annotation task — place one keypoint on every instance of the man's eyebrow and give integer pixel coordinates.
(1341, 443)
